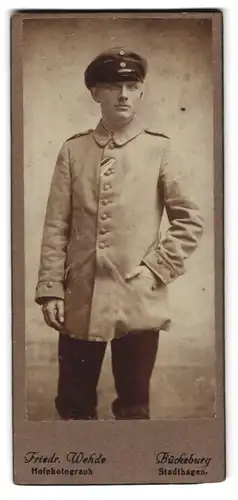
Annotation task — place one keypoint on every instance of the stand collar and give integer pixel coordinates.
(103, 135)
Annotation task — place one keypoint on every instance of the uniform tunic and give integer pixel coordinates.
(103, 217)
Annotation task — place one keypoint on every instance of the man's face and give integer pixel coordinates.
(119, 101)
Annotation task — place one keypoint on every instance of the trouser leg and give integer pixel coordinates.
(80, 363)
(133, 359)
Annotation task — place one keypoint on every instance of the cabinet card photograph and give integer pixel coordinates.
(117, 247)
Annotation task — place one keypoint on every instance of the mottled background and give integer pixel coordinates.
(178, 101)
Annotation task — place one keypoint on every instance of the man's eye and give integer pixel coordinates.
(132, 87)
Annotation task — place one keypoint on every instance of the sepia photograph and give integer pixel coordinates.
(118, 141)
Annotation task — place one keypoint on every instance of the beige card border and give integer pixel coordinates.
(130, 448)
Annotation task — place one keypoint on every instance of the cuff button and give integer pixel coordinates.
(49, 284)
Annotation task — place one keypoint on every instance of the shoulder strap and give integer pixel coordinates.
(155, 132)
(86, 132)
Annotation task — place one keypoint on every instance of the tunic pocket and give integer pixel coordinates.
(149, 278)
(146, 279)
(147, 306)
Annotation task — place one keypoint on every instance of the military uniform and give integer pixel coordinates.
(106, 202)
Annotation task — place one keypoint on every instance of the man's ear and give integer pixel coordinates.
(95, 94)
(142, 91)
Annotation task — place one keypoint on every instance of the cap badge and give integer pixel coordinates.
(121, 52)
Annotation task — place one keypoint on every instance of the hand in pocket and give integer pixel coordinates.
(141, 270)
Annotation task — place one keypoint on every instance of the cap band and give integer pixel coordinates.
(113, 66)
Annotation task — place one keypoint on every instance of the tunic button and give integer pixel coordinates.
(104, 202)
(159, 260)
(103, 216)
(172, 274)
(50, 284)
(101, 245)
(111, 145)
(106, 187)
(103, 230)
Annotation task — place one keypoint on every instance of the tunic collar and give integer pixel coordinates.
(103, 135)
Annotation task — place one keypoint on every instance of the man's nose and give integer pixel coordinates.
(123, 94)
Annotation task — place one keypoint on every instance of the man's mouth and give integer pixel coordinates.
(122, 106)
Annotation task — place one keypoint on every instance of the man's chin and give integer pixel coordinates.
(123, 114)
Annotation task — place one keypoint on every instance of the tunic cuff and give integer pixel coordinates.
(160, 268)
(49, 289)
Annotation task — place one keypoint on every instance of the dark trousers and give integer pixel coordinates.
(80, 361)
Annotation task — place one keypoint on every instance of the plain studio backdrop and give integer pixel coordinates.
(178, 101)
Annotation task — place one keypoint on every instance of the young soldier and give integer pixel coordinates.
(104, 269)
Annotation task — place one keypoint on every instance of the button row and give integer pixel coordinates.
(104, 202)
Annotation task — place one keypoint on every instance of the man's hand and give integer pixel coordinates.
(53, 311)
